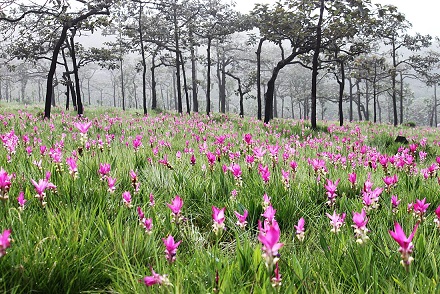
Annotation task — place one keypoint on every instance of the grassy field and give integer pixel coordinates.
(92, 206)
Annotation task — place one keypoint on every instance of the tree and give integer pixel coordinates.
(216, 21)
(427, 67)
(54, 19)
(392, 29)
(281, 25)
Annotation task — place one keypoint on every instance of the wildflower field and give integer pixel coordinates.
(120, 203)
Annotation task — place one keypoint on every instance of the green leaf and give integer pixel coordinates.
(297, 267)
(324, 246)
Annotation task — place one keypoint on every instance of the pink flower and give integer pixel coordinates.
(137, 143)
(193, 159)
(134, 181)
(264, 172)
(5, 184)
(269, 237)
(248, 139)
(21, 201)
(394, 203)
(241, 219)
(276, 279)
(286, 178)
(236, 171)
(140, 213)
(371, 197)
(83, 127)
(147, 223)
(352, 179)
(126, 198)
(29, 150)
(250, 161)
(269, 214)
(259, 153)
(156, 279)
(111, 184)
(73, 168)
(336, 221)
(218, 217)
(266, 201)
(234, 194)
(211, 158)
(390, 182)
(41, 187)
(294, 166)
(360, 221)
(273, 150)
(318, 167)
(300, 229)
(152, 200)
(332, 188)
(164, 161)
(420, 207)
(170, 248)
(176, 206)
(437, 220)
(104, 170)
(5, 241)
(43, 149)
(406, 246)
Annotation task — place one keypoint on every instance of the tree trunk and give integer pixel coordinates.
(282, 106)
(194, 75)
(178, 83)
(341, 83)
(367, 100)
(153, 81)
(350, 83)
(7, 91)
(379, 109)
(401, 98)
(88, 91)
(39, 90)
(393, 84)
(260, 45)
(185, 85)
(144, 63)
(374, 101)
(114, 92)
(50, 75)
(222, 83)
(208, 79)
(435, 104)
(75, 72)
(315, 64)
(67, 92)
(174, 90)
(122, 83)
(240, 92)
(292, 105)
(358, 94)
(269, 96)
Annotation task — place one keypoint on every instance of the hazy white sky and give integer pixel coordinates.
(423, 14)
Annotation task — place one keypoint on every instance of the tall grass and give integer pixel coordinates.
(85, 240)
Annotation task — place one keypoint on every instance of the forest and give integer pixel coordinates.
(344, 60)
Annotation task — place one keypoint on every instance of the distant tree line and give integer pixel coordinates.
(362, 51)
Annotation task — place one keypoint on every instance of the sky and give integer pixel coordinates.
(423, 14)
